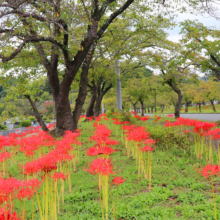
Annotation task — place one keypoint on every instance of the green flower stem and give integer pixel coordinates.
(213, 191)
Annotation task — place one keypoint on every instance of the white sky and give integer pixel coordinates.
(206, 20)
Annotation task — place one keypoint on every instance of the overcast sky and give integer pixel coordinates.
(206, 20)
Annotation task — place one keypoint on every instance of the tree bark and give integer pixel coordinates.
(200, 106)
(162, 108)
(178, 91)
(148, 109)
(213, 105)
(102, 90)
(142, 107)
(152, 109)
(83, 87)
(186, 106)
(178, 104)
(37, 114)
(90, 109)
(97, 108)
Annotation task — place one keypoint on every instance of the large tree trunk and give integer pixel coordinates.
(148, 109)
(90, 109)
(142, 107)
(37, 114)
(98, 103)
(178, 104)
(213, 105)
(186, 106)
(82, 87)
(200, 110)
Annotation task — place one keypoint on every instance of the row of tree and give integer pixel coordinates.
(76, 42)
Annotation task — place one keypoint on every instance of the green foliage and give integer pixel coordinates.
(125, 116)
(168, 138)
(4, 127)
(25, 123)
(31, 118)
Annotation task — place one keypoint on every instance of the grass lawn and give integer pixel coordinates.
(178, 190)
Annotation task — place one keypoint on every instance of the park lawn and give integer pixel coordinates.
(195, 109)
(178, 190)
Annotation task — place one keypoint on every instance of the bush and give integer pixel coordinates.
(125, 116)
(25, 123)
(48, 121)
(31, 118)
(4, 127)
(168, 139)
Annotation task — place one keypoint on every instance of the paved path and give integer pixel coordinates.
(207, 117)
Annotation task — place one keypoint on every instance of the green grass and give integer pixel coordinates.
(178, 191)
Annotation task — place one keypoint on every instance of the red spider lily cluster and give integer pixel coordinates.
(210, 170)
(45, 163)
(138, 142)
(101, 165)
(201, 131)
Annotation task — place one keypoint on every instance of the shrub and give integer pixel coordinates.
(31, 118)
(167, 138)
(48, 121)
(4, 127)
(125, 116)
(25, 123)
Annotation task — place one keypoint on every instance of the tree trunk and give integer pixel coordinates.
(152, 109)
(162, 108)
(186, 106)
(148, 109)
(200, 107)
(37, 114)
(135, 110)
(90, 109)
(97, 108)
(142, 108)
(213, 105)
(178, 104)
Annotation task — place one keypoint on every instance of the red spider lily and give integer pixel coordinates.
(209, 170)
(186, 131)
(106, 119)
(34, 183)
(94, 151)
(144, 118)
(59, 175)
(137, 116)
(147, 148)
(168, 123)
(100, 166)
(133, 112)
(138, 135)
(170, 116)
(103, 115)
(4, 156)
(7, 215)
(116, 121)
(118, 180)
(157, 118)
(25, 193)
(8, 187)
(89, 118)
(215, 133)
(150, 141)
